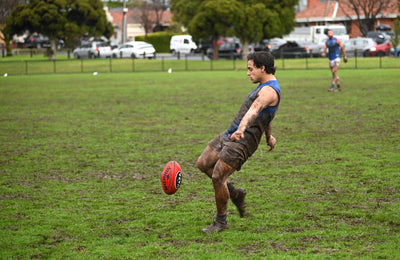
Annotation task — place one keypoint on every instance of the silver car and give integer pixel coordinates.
(93, 50)
(360, 46)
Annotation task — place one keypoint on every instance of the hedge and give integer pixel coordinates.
(160, 40)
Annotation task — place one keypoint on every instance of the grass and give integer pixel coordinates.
(81, 157)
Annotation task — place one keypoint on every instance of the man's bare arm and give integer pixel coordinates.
(266, 97)
(271, 141)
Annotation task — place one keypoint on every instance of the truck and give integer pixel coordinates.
(182, 44)
(317, 34)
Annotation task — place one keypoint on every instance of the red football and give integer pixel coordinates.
(171, 177)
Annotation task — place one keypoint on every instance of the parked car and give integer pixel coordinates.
(382, 49)
(378, 37)
(37, 40)
(366, 47)
(227, 50)
(93, 50)
(382, 39)
(290, 49)
(135, 49)
(258, 46)
(312, 49)
(359, 46)
(274, 43)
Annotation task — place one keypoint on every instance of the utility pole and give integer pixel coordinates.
(124, 11)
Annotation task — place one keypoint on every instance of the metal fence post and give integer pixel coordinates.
(306, 62)
(355, 58)
(186, 62)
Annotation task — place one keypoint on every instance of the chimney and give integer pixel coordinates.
(311, 3)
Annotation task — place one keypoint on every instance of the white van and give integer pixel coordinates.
(182, 44)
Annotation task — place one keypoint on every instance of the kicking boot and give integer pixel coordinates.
(216, 226)
(238, 199)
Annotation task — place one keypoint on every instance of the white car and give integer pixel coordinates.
(93, 50)
(136, 49)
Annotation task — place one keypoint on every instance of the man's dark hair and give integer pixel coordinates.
(263, 58)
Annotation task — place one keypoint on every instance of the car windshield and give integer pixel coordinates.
(339, 31)
(102, 44)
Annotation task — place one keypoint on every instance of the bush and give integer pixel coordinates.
(160, 40)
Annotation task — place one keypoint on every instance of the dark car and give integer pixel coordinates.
(313, 49)
(38, 41)
(274, 43)
(290, 49)
(383, 45)
(227, 50)
(266, 45)
(378, 37)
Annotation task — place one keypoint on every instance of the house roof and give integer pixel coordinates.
(339, 11)
(133, 16)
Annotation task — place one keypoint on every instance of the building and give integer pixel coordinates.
(134, 25)
(321, 12)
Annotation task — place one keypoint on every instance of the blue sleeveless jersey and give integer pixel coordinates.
(334, 48)
(253, 133)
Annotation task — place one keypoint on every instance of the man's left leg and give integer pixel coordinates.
(220, 180)
(334, 77)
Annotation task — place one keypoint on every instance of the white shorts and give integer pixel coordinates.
(334, 62)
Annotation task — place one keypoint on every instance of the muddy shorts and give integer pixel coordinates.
(234, 154)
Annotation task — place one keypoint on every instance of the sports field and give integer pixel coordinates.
(81, 158)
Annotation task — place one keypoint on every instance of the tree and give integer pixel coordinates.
(250, 20)
(215, 18)
(184, 11)
(6, 8)
(366, 11)
(68, 19)
(159, 7)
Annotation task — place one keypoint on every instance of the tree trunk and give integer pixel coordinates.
(245, 50)
(53, 49)
(215, 47)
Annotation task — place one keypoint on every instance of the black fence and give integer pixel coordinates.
(167, 62)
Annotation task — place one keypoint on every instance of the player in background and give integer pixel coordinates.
(334, 45)
(227, 152)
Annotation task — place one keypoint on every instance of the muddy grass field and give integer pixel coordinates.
(81, 158)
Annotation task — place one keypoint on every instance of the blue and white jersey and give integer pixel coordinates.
(334, 48)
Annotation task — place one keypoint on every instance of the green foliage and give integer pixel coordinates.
(253, 20)
(395, 40)
(214, 18)
(81, 159)
(184, 11)
(67, 19)
(160, 40)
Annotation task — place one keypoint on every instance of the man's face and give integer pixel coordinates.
(330, 34)
(254, 73)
